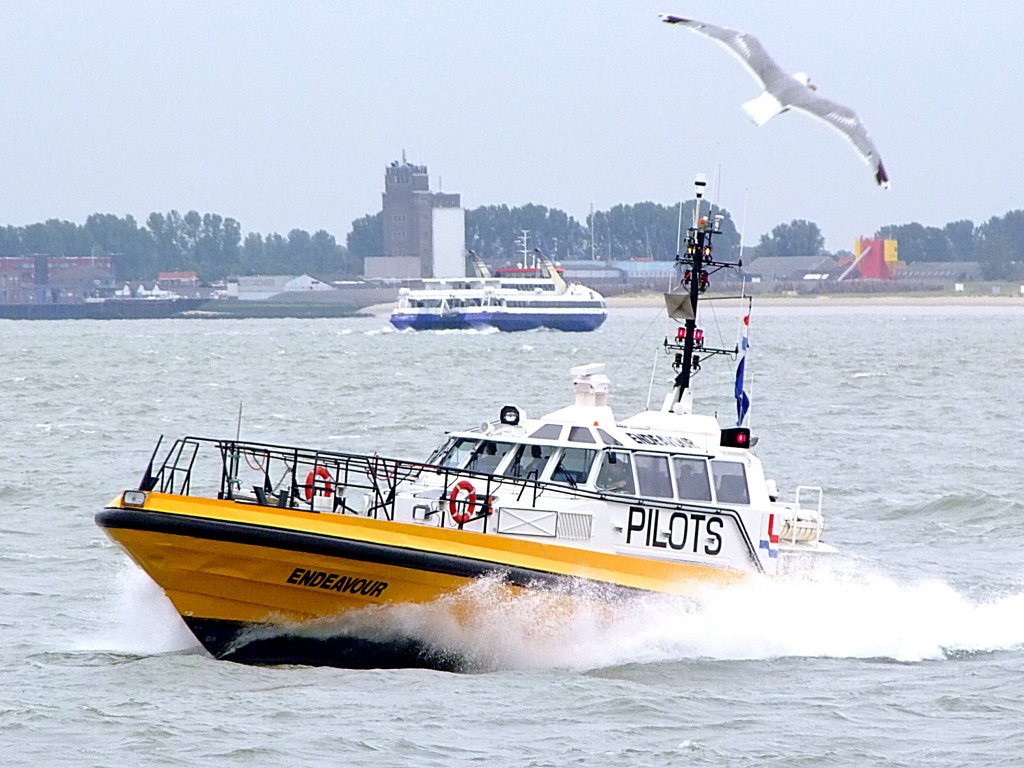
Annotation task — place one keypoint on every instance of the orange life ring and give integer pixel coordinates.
(466, 514)
(322, 473)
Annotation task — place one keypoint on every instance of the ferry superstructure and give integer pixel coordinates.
(543, 300)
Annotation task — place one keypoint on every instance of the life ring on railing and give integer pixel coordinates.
(469, 506)
(322, 473)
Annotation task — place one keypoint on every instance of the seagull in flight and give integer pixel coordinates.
(783, 91)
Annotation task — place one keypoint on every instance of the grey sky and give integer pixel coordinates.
(284, 115)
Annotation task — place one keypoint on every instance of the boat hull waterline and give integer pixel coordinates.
(258, 589)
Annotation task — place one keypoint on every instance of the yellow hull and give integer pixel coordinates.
(227, 567)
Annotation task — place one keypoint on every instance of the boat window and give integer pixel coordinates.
(574, 466)
(548, 432)
(608, 439)
(459, 452)
(653, 473)
(616, 473)
(730, 482)
(692, 478)
(529, 461)
(581, 435)
(488, 456)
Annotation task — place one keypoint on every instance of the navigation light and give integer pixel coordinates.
(736, 437)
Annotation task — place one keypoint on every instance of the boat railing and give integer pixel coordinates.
(328, 481)
(814, 508)
(367, 485)
(809, 490)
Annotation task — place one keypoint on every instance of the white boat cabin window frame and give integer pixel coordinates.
(614, 479)
(536, 463)
(719, 478)
(577, 479)
(449, 450)
(578, 434)
(502, 449)
(677, 477)
(547, 431)
(645, 477)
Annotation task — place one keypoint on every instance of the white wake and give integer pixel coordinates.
(832, 614)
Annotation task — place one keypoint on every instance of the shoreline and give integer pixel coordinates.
(834, 300)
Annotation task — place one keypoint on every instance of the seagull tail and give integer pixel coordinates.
(763, 108)
(881, 176)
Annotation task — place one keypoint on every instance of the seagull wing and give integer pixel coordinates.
(787, 91)
(744, 46)
(844, 120)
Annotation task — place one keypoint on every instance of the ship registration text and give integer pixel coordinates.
(337, 583)
(683, 530)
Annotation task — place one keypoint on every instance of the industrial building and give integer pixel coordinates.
(424, 231)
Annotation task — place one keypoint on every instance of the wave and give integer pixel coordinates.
(970, 507)
(492, 626)
(142, 620)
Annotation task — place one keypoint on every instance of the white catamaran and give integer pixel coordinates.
(534, 297)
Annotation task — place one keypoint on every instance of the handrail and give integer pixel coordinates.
(818, 520)
(377, 476)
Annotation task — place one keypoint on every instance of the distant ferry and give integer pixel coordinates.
(521, 303)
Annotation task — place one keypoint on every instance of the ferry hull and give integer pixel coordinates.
(423, 322)
(503, 321)
(577, 323)
(268, 586)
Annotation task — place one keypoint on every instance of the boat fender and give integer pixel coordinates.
(465, 514)
(322, 473)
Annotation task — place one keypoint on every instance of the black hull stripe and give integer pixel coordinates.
(333, 546)
(266, 645)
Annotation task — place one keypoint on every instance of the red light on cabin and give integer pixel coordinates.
(736, 437)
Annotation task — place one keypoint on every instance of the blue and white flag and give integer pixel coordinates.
(742, 399)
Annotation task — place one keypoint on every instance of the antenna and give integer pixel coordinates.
(696, 263)
(679, 225)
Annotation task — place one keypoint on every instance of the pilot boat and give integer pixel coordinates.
(535, 298)
(270, 552)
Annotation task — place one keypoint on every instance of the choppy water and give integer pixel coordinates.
(906, 650)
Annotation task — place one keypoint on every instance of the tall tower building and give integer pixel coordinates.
(421, 225)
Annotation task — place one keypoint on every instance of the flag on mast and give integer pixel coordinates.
(742, 399)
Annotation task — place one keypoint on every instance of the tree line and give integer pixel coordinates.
(213, 246)
(642, 230)
(998, 244)
(208, 244)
